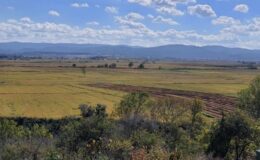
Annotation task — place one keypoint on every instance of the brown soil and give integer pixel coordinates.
(215, 104)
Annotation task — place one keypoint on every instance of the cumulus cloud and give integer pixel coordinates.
(26, 19)
(54, 13)
(111, 9)
(94, 23)
(141, 2)
(79, 5)
(243, 8)
(202, 10)
(131, 20)
(172, 10)
(161, 2)
(225, 20)
(160, 19)
(131, 31)
(133, 16)
(164, 6)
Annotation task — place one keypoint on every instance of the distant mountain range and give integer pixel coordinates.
(185, 52)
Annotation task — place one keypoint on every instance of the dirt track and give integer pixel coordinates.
(214, 103)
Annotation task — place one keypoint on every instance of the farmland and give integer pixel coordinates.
(54, 89)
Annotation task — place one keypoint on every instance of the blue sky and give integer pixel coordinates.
(232, 23)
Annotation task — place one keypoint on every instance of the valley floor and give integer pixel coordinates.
(54, 89)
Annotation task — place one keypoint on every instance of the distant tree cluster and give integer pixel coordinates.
(113, 65)
(141, 66)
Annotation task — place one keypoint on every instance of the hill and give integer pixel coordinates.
(186, 52)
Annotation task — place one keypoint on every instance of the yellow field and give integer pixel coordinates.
(44, 89)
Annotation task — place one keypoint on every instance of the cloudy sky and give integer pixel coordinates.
(232, 23)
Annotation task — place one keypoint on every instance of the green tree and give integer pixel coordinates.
(141, 66)
(233, 137)
(131, 64)
(196, 109)
(88, 137)
(132, 104)
(249, 99)
(144, 139)
(9, 130)
(197, 123)
(86, 110)
(23, 143)
(168, 110)
(113, 65)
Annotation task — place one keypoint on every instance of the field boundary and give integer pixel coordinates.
(215, 104)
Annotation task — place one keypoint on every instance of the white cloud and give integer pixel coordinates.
(202, 10)
(251, 28)
(170, 10)
(131, 20)
(161, 2)
(243, 8)
(10, 8)
(111, 9)
(79, 5)
(224, 20)
(26, 19)
(160, 19)
(141, 2)
(131, 32)
(54, 13)
(133, 16)
(164, 6)
(94, 23)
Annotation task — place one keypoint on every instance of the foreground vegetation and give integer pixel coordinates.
(139, 128)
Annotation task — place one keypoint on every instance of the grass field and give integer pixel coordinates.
(54, 89)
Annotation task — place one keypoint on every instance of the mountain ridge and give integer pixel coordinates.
(175, 51)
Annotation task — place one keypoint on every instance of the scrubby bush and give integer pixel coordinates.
(249, 99)
(234, 137)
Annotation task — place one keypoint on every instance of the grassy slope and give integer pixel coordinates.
(56, 92)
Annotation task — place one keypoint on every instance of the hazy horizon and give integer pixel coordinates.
(145, 23)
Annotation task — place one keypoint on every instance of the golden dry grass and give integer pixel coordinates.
(43, 89)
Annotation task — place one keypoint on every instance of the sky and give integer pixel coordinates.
(230, 23)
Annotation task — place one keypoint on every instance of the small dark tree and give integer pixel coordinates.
(86, 110)
(141, 66)
(131, 64)
(74, 65)
(252, 66)
(113, 65)
(89, 111)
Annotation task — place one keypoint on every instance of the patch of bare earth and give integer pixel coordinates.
(215, 104)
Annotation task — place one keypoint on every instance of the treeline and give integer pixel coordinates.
(139, 128)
